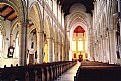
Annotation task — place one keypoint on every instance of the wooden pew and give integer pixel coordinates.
(94, 71)
(38, 72)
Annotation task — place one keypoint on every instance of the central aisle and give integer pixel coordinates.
(69, 74)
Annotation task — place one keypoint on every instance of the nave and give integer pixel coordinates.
(41, 39)
(43, 31)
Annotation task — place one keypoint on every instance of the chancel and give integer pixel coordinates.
(50, 40)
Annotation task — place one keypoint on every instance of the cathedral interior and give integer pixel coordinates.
(44, 33)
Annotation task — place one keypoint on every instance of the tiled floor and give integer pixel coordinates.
(69, 74)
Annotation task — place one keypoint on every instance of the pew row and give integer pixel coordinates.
(96, 71)
(38, 72)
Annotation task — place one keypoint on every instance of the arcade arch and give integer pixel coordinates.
(78, 17)
(81, 22)
(34, 35)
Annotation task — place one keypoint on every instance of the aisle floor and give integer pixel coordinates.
(69, 74)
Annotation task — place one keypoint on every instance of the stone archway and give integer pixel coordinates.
(78, 17)
(35, 24)
(12, 17)
(79, 51)
(32, 46)
(74, 26)
(15, 39)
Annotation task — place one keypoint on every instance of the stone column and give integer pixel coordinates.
(59, 51)
(101, 48)
(50, 49)
(119, 10)
(107, 49)
(67, 51)
(101, 54)
(62, 52)
(95, 51)
(56, 51)
(104, 49)
(23, 44)
(99, 51)
(90, 52)
(105, 46)
(96, 45)
(112, 33)
(103, 42)
(90, 39)
(113, 57)
(66, 46)
(40, 47)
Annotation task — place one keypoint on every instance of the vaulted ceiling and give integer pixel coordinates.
(7, 12)
(66, 4)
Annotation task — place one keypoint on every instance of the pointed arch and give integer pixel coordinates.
(37, 17)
